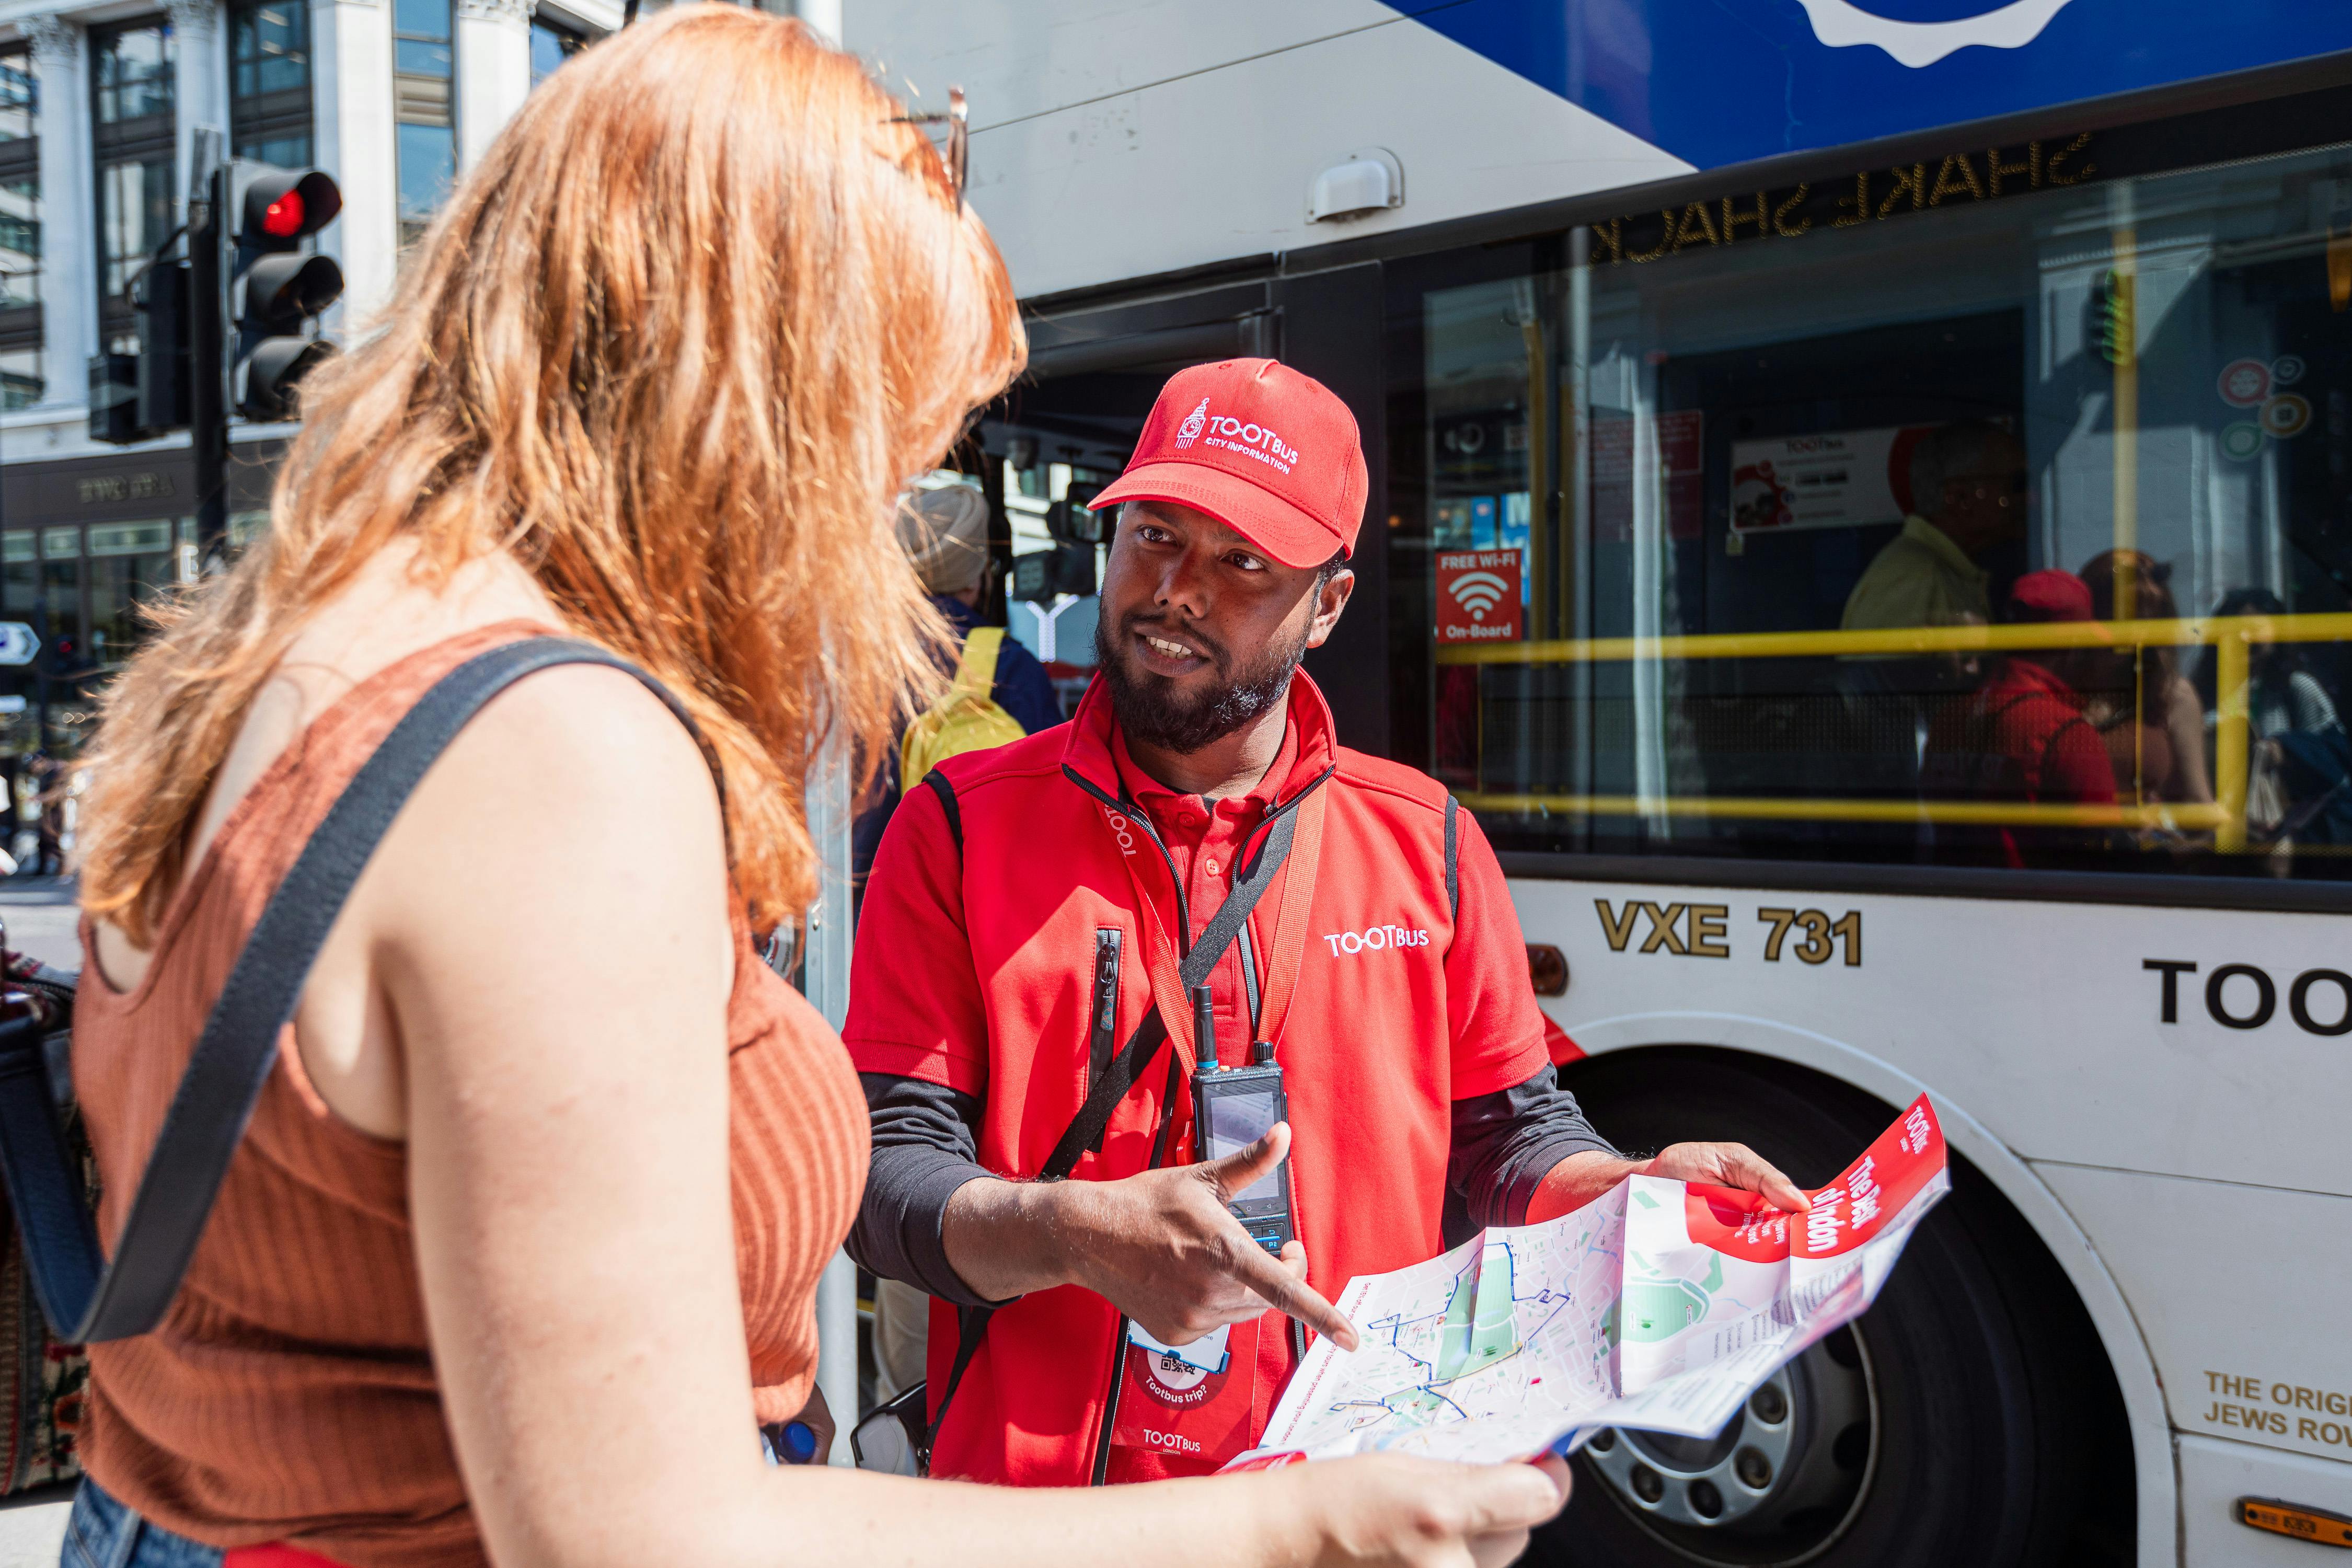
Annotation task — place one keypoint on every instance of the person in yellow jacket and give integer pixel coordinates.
(1001, 692)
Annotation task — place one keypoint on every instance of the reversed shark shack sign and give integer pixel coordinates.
(1478, 595)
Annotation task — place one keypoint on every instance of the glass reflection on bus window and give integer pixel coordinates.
(2012, 533)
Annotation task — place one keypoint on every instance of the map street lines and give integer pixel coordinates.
(1660, 1305)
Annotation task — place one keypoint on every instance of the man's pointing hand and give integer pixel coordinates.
(1161, 1246)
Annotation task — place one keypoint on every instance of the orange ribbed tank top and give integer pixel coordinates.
(290, 1395)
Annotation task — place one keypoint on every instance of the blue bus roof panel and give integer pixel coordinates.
(1720, 82)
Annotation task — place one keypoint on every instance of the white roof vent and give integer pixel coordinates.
(1358, 185)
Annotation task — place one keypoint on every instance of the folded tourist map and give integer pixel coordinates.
(1661, 1305)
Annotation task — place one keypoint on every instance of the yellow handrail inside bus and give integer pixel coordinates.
(2231, 636)
(2182, 816)
(2215, 630)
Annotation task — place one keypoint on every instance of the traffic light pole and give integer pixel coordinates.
(208, 391)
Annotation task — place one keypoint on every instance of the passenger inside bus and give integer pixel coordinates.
(1968, 492)
(2299, 783)
(2022, 736)
(2145, 710)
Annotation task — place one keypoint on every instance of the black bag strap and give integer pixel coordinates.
(939, 784)
(1127, 1067)
(1452, 860)
(88, 1298)
(972, 1327)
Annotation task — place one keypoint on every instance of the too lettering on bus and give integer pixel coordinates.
(2242, 996)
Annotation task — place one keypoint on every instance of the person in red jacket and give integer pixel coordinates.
(2022, 735)
(1020, 1002)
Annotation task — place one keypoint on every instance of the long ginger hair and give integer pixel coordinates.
(675, 345)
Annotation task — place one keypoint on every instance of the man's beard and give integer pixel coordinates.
(1149, 709)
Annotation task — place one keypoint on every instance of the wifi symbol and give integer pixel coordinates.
(1479, 592)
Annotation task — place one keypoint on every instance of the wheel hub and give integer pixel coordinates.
(1778, 1485)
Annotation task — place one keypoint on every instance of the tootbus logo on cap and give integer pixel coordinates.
(1272, 454)
(1248, 437)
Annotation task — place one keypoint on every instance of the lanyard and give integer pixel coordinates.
(1176, 966)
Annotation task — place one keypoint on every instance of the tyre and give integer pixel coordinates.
(1967, 1420)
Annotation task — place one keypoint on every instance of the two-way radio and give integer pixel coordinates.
(1234, 1107)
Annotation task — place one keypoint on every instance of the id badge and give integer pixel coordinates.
(1191, 1403)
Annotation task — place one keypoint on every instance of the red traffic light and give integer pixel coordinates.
(276, 207)
(282, 219)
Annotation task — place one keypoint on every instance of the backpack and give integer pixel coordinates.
(43, 1379)
(964, 719)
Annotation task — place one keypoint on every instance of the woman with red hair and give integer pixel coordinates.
(520, 1251)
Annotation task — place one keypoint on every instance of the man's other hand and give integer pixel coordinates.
(1726, 1165)
(1582, 1177)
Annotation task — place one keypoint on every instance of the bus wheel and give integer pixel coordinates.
(1948, 1427)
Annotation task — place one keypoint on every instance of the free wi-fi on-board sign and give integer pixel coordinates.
(18, 643)
(1478, 595)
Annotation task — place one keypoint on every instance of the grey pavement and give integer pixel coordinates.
(41, 918)
(33, 1528)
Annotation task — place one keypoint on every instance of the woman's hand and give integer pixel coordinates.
(1726, 1165)
(1383, 1511)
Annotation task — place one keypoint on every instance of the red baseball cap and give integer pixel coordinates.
(1266, 452)
(2050, 595)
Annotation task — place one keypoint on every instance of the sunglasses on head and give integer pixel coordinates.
(954, 147)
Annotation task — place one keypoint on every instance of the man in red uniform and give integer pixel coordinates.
(1020, 1002)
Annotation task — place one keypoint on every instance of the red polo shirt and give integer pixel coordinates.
(974, 969)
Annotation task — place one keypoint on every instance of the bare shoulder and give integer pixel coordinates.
(570, 838)
(571, 754)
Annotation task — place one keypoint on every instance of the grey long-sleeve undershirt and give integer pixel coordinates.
(925, 1147)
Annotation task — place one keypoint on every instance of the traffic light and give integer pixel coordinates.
(1070, 522)
(114, 398)
(139, 396)
(162, 300)
(2113, 329)
(277, 286)
(1065, 569)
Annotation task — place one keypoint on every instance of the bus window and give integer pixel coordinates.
(1989, 511)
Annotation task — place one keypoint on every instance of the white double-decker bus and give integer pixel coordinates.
(1668, 322)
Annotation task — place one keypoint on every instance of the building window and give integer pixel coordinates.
(269, 81)
(551, 43)
(422, 104)
(20, 230)
(132, 138)
(130, 566)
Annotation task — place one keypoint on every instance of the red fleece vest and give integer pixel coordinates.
(974, 969)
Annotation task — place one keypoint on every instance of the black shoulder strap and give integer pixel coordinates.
(937, 783)
(1452, 860)
(88, 1298)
